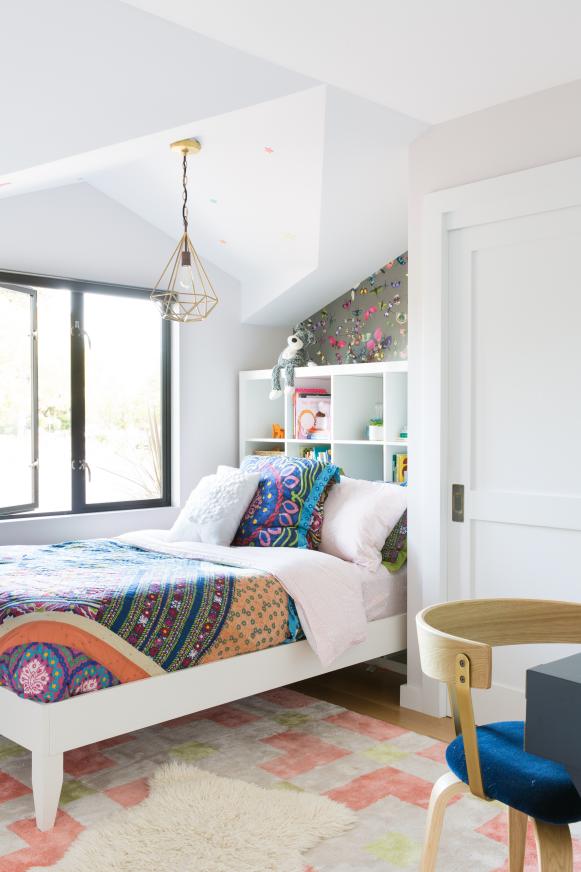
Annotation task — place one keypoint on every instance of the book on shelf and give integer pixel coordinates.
(399, 465)
(317, 452)
(270, 452)
(312, 414)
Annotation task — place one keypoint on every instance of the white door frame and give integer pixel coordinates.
(541, 189)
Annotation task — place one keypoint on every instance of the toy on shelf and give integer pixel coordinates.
(277, 431)
(295, 354)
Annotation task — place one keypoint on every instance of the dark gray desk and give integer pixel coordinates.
(553, 722)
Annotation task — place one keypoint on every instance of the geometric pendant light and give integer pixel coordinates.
(184, 292)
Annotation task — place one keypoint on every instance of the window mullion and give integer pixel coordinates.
(78, 486)
(166, 388)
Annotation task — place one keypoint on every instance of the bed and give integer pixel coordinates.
(169, 629)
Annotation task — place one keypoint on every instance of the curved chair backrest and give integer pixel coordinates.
(456, 641)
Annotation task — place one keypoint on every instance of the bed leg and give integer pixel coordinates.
(47, 781)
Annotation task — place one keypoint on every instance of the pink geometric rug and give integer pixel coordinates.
(282, 740)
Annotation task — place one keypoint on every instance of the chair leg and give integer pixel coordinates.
(444, 789)
(517, 837)
(554, 847)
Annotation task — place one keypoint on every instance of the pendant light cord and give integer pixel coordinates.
(185, 198)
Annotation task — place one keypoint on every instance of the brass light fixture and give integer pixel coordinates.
(184, 292)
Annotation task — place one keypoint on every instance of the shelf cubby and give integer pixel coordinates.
(389, 451)
(395, 404)
(360, 461)
(260, 413)
(304, 383)
(294, 447)
(354, 400)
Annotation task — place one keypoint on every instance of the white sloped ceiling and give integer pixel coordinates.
(300, 188)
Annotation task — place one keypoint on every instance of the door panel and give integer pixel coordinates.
(515, 420)
(525, 356)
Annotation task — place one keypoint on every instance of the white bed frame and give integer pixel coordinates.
(50, 729)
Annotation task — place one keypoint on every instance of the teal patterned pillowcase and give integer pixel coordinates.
(285, 511)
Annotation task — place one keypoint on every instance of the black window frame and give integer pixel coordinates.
(32, 504)
(77, 288)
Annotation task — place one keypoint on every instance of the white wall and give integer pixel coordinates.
(78, 232)
(362, 210)
(535, 130)
(210, 360)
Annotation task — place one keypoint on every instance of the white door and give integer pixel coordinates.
(514, 422)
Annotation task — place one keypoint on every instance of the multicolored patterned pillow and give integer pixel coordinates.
(314, 531)
(395, 551)
(287, 509)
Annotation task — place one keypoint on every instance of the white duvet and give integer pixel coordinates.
(328, 592)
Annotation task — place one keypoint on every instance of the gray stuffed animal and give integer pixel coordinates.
(294, 354)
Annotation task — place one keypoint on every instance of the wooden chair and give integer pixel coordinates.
(456, 641)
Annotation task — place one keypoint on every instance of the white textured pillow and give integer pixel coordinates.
(215, 507)
(359, 515)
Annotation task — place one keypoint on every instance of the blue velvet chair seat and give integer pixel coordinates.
(538, 787)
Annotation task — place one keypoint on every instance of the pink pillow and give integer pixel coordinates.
(359, 515)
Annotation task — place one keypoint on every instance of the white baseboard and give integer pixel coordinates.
(500, 703)
(429, 697)
(410, 696)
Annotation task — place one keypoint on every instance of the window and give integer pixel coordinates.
(84, 397)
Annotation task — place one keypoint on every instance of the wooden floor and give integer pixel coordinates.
(374, 692)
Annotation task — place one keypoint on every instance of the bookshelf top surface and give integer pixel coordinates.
(390, 443)
(348, 369)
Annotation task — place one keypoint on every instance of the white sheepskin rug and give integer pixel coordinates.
(194, 821)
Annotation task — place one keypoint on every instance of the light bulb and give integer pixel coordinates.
(186, 277)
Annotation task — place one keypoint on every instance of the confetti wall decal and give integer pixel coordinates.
(366, 323)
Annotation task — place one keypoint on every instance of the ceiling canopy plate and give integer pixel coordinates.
(187, 146)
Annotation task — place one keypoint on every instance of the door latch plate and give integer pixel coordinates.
(458, 503)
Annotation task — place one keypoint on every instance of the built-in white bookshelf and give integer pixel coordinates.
(355, 390)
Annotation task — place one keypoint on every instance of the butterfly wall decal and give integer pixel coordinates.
(345, 328)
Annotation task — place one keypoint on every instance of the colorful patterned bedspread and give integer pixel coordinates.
(86, 615)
